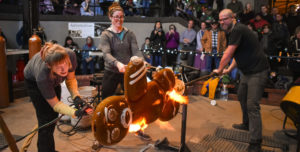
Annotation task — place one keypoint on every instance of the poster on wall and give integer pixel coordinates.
(81, 30)
(99, 27)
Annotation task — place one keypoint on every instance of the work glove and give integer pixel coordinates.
(83, 111)
(79, 103)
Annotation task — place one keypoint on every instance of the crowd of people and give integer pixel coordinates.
(276, 32)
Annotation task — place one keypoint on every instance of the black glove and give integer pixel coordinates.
(82, 111)
(78, 102)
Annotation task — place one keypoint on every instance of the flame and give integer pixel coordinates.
(177, 97)
(138, 125)
(165, 125)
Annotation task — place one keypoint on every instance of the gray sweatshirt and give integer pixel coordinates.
(115, 49)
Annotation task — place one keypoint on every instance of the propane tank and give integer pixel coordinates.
(4, 93)
(34, 44)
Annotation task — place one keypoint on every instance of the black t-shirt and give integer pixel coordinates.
(37, 70)
(249, 54)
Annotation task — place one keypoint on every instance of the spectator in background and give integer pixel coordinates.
(158, 40)
(294, 50)
(85, 9)
(58, 6)
(188, 42)
(214, 43)
(200, 59)
(146, 6)
(264, 13)
(172, 42)
(258, 22)
(69, 43)
(129, 8)
(266, 39)
(95, 7)
(292, 19)
(87, 60)
(247, 14)
(220, 4)
(179, 8)
(252, 28)
(145, 51)
(72, 7)
(46, 7)
(236, 7)
(280, 34)
(274, 12)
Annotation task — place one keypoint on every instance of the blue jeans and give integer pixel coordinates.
(156, 60)
(146, 6)
(210, 59)
(85, 66)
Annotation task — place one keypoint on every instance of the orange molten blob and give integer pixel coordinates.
(177, 97)
(138, 125)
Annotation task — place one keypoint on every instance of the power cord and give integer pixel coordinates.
(43, 126)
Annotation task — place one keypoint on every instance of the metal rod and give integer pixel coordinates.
(201, 78)
(183, 127)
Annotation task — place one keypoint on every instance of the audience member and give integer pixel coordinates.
(58, 6)
(266, 39)
(274, 12)
(72, 7)
(280, 34)
(294, 50)
(129, 8)
(179, 8)
(46, 7)
(95, 7)
(200, 58)
(87, 60)
(214, 43)
(236, 7)
(69, 43)
(172, 42)
(158, 40)
(247, 14)
(85, 9)
(146, 7)
(258, 22)
(292, 19)
(145, 47)
(188, 42)
(253, 29)
(220, 4)
(264, 13)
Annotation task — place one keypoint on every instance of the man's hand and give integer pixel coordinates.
(226, 71)
(217, 71)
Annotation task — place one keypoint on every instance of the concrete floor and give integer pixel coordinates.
(203, 119)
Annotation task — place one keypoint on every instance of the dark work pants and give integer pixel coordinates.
(251, 89)
(45, 114)
(110, 83)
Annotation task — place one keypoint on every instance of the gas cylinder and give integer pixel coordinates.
(4, 93)
(34, 44)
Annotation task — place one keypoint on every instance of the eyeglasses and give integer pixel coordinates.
(223, 19)
(118, 17)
